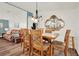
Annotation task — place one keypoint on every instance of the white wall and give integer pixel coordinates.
(13, 14)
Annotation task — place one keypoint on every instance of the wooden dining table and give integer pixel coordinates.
(50, 37)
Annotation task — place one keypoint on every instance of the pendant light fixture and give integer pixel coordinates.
(36, 17)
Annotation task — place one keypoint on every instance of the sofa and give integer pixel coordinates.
(11, 35)
(8, 36)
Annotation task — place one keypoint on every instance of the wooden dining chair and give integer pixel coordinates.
(26, 41)
(72, 50)
(21, 36)
(73, 42)
(48, 30)
(38, 46)
(63, 46)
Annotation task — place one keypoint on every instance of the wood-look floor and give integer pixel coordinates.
(12, 49)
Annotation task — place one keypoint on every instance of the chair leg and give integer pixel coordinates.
(52, 50)
(65, 52)
(41, 53)
(31, 53)
(48, 52)
(21, 44)
(23, 49)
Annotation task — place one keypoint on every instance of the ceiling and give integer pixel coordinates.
(42, 6)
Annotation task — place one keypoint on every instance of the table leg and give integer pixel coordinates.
(30, 53)
(51, 50)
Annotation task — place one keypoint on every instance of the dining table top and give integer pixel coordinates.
(50, 35)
